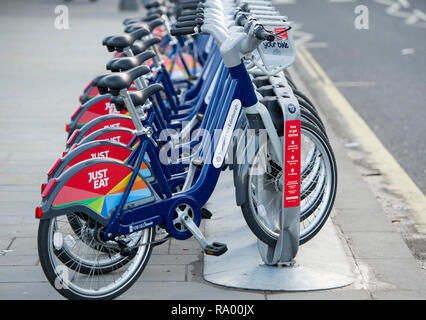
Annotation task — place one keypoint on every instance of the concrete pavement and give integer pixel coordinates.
(44, 71)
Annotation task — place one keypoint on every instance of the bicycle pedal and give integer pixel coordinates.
(216, 249)
(206, 214)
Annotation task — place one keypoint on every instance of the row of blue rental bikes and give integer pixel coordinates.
(194, 88)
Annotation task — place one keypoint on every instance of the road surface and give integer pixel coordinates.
(380, 70)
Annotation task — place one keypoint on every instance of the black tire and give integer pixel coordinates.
(301, 95)
(312, 119)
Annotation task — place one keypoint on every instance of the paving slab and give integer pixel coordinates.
(161, 249)
(33, 196)
(11, 208)
(363, 220)
(21, 274)
(4, 243)
(185, 291)
(173, 259)
(378, 245)
(28, 291)
(396, 274)
(336, 294)
(22, 230)
(163, 273)
(184, 247)
(13, 260)
(399, 295)
(23, 246)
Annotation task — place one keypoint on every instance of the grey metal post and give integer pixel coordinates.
(285, 250)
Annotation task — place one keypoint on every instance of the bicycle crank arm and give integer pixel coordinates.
(213, 249)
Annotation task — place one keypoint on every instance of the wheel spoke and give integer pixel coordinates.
(92, 269)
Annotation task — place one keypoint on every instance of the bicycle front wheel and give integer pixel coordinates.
(318, 188)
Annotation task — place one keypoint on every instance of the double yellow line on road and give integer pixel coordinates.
(396, 177)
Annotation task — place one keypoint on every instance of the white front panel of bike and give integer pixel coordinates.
(275, 56)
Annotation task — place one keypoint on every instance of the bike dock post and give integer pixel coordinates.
(287, 245)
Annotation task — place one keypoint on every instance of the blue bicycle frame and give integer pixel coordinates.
(237, 85)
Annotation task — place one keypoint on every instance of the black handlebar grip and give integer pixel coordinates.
(182, 31)
(195, 22)
(151, 4)
(191, 1)
(187, 18)
(185, 24)
(238, 11)
(189, 12)
(241, 20)
(138, 20)
(245, 7)
(262, 34)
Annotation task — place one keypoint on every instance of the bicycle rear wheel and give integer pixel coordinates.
(87, 272)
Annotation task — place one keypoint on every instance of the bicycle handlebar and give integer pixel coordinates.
(261, 34)
(259, 31)
(138, 20)
(187, 18)
(240, 19)
(182, 31)
(193, 23)
(191, 5)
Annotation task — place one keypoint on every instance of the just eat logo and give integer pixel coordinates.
(99, 178)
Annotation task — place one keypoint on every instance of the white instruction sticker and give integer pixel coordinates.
(226, 135)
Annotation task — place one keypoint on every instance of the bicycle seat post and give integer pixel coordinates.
(156, 59)
(140, 129)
